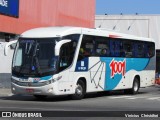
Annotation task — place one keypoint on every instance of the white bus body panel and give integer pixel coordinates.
(97, 75)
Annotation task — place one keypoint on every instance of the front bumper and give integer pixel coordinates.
(50, 89)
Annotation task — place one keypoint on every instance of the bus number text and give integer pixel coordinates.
(117, 67)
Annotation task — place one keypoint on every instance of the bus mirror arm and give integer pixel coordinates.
(58, 46)
(7, 46)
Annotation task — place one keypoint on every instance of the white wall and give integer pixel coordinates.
(139, 25)
(5, 67)
(5, 61)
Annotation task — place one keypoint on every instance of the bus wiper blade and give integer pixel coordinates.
(35, 59)
(37, 65)
(28, 48)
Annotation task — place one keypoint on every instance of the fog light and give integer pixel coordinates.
(50, 90)
(13, 89)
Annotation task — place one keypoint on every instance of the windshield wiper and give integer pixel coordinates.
(28, 48)
(35, 60)
(26, 55)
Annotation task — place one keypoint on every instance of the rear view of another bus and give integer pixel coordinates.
(158, 67)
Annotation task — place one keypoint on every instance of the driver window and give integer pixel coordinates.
(87, 47)
(67, 52)
(64, 57)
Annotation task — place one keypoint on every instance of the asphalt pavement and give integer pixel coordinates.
(94, 104)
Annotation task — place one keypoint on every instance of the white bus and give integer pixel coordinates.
(74, 61)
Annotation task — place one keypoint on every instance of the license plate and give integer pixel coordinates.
(30, 90)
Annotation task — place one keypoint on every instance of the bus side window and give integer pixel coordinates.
(115, 48)
(67, 51)
(102, 46)
(139, 50)
(122, 51)
(112, 48)
(128, 49)
(64, 57)
(149, 50)
(87, 47)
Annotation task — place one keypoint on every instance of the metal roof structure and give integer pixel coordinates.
(139, 25)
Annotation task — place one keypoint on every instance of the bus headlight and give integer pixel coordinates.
(56, 79)
(50, 90)
(13, 89)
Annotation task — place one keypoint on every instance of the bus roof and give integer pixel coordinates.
(46, 32)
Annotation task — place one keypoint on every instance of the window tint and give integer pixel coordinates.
(157, 61)
(143, 49)
(67, 51)
(87, 47)
(127, 49)
(115, 47)
(150, 50)
(102, 47)
(140, 49)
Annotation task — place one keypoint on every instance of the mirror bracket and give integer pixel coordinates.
(59, 44)
(7, 46)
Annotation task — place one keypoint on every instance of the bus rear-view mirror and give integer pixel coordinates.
(7, 46)
(59, 44)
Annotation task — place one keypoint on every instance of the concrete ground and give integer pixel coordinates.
(5, 92)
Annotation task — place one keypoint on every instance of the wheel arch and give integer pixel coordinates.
(83, 79)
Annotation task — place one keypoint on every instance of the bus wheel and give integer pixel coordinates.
(79, 91)
(135, 87)
(40, 96)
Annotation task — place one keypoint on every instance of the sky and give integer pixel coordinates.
(127, 7)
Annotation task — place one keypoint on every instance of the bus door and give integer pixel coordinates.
(65, 60)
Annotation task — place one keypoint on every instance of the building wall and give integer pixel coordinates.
(139, 25)
(5, 66)
(38, 13)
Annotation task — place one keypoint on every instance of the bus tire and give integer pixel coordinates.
(135, 87)
(40, 97)
(79, 91)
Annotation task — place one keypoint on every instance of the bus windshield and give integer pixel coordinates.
(35, 57)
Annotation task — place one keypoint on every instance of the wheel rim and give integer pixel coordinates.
(79, 90)
(136, 86)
